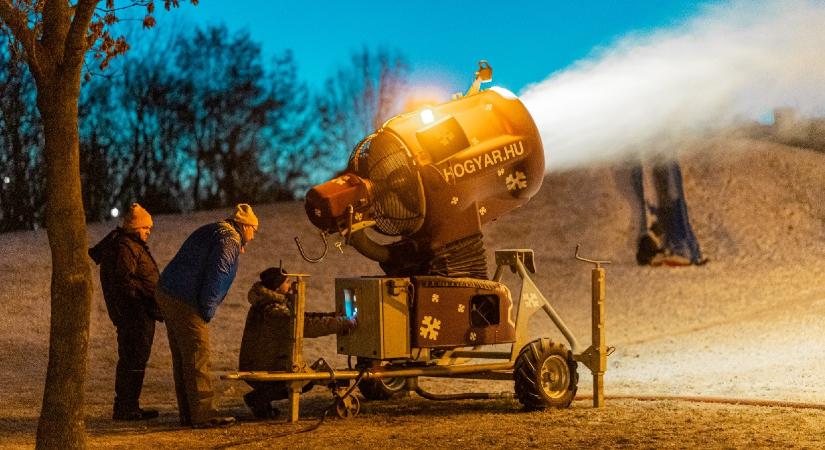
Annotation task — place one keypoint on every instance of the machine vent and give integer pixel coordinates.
(397, 192)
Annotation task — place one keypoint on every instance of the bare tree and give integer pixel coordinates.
(20, 136)
(55, 36)
(293, 140)
(99, 158)
(231, 106)
(360, 97)
(154, 135)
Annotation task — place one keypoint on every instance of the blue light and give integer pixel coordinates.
(350, 304)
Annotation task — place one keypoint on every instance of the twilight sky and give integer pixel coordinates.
(525, 41)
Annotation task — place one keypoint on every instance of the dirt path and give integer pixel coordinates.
(415, 423)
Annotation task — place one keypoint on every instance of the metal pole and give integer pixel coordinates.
(296, 357)
(595, 357)
(598, 339)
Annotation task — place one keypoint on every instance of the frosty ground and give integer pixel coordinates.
(746, 325)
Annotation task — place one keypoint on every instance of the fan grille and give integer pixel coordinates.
(397, 195)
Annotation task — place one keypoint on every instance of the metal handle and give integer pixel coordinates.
(598, 263)
(307, 258)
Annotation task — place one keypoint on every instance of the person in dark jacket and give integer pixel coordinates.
(189, 292)
(128, 275)
(267, 337)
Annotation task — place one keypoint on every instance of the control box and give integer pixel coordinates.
(381, 307)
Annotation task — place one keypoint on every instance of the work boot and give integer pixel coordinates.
(135, 414)
(261, 407)
(215, 422)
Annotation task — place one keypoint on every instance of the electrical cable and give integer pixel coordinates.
(308, 429)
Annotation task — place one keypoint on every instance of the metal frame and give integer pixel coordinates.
(531, 300)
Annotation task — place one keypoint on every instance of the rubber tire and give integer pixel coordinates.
(381, 389)
(543, 355)
(348, 407)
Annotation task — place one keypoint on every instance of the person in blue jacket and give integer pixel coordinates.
(189, 292)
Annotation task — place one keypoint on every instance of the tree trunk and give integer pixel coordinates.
(61, 418)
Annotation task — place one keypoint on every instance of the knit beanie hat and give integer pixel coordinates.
(244, 215)
(273, 277)
(137, 217)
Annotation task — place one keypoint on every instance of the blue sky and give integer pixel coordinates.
(524, 41)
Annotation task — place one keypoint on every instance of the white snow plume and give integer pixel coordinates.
(734, 61)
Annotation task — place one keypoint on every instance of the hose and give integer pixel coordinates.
(463, 396)
(716, 400)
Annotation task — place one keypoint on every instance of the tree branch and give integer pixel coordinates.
(75, 47)
(129, 6)
(17, 22)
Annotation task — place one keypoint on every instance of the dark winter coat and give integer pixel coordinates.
(267, 336)
(202, 271)
(128, 276)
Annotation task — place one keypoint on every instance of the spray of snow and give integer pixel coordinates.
(646, 93)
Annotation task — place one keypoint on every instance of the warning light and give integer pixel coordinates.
(427, 116)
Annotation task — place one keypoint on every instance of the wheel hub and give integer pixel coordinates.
(554, 377)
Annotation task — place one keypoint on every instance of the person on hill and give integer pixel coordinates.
(128, 276)
(666, 237)
(267, 337)
(190, 290)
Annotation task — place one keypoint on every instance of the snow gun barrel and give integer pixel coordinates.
(439, 172)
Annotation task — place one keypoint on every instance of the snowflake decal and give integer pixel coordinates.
(516, 181)
(531, 300)
(482, 211)
(500, 172)
(473, 336)
(358, 216)
(317, 212)
(446, 138)
(461, 308)
(474, 141)
(429, 328)
(454, 200)
(435, 298)
(488, 107)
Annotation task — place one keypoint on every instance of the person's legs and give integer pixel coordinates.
(681, 243)
(259, 399)
(134, 347)
(170, 313)
(177, 371)
(126, 397)
(189, 335)
(195, 352)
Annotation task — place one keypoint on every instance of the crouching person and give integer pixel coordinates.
(267, 338)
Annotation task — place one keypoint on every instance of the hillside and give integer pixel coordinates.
(748, 324)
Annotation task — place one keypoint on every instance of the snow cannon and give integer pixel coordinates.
(434, 176)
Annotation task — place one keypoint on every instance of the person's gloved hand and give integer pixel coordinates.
(348, 324)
